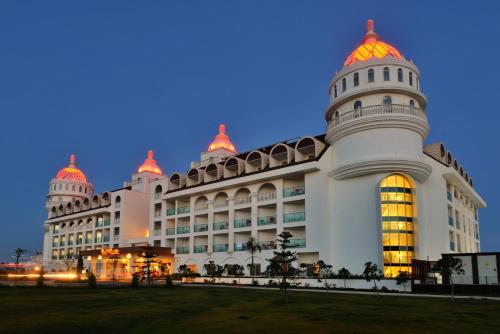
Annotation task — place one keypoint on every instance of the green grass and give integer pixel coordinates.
(224, 310)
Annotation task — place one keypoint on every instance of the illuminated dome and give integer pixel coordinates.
(221, 141)
(150, 165)
(372, 47)
(71, 172)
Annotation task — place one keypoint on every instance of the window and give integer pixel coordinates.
(344, 85)
(357, 105)
(411, 79)
(397, 200)
(412, 105)
(336, 117)
(371, 75)
(386, 74)
(400, 74)
(335, 90)
(387, 104)
(356, 79)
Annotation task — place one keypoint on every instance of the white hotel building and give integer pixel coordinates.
(366, 190)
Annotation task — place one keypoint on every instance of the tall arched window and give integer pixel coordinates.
(356, 79)
(398, 208)
(344, 85)
(386, 74)
(335, 91)
(412, 104)
(371, 75)
(411, 79)
(357, 105)
(387, 103)
(400, 74)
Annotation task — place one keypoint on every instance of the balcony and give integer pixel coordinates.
(106, 223)
(240, 247)
(79, 241)
(221, 203)
(157, 195)
(88, 240)
(201, 207)
(200, 249)
(221, 226)
(105, 238)
(220, 248)
(157, 214)
(294, 217)
(116, 237)
(266, 245)
(70, 243)
(269, 220)
(267, 196)
(242, 200)
(201, 228)
(117, 221)
(182, 229)
(182, 250)
(156, 232)
(170, 212)
(294, 191)
(55, 244)
(54, 257)
(183, 210)
(99, 223)
(62, 243)
(450, 221)
(56, 231)
(171, 231)
(240, 223)
(450, 197)
(98, 239)
(380, 109)
(297, 243)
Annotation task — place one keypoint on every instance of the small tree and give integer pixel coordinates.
(184, 271)
(239, 272)
(403, 278)
(324, 272)
(114, 262)
(148, 256)
(215, 270)
(253, 247)
(79, 266)
(448, 266)
(281, 263)
(372, 273)
(345, 275)
(68, 261)
(18, 253)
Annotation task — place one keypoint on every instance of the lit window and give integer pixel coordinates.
(371, 75)
(356, 79)
(397, 200)
(344, 85)
(386, 74)
(400, 75)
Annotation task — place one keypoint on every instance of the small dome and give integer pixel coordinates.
(71, 172)
(222, 141)
(150, 165)
(372, 47)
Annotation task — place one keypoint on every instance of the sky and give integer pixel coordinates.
(108, 80)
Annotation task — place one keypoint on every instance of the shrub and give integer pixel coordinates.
(134, 284)
(235, 282)
(384, 289)
(168, 281)
(255, 283)
(92, 281)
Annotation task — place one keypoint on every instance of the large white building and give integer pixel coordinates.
(366, 190)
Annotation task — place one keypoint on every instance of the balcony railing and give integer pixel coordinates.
(157, 214)
(239, 223)
(294, 217)
(200, 249)
(105, 238)
(70, 243)
(170, 231)
(54, 257)
(183, 210)
(170, 212)
(182, 229)
(239, 247)
(201, 207)
(182, 250)
(62, 243)
(106, 223)
(221, 203)
(88, 240)
(117, 221)
(99, 223)
(55, 244)
(294, 191)
(450, 221)
(157, 195)
(79, 241)
(297, 243)
(220, 248)
(221, 226)
(116, 237)
(242, 199)
(156, 232)
(56, 231)
(98, 239)
(378, 110)
(269, 220)
(267, 196)
(201, 227)
(265, 245)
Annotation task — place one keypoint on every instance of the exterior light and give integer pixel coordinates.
(99, 257)
(129, 256)
(89, 258)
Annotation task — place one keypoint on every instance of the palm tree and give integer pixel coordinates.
(253, 246)
(19, 252)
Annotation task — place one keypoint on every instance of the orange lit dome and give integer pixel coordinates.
(372, 47)
(221, 141)
(71, 172)
(150, 165)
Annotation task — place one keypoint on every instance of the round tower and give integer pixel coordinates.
(69, 184)
(376, 117)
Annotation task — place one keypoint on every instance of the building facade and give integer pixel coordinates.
(366, 190)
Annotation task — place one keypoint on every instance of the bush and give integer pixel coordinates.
(134, 284)
(255, 283)
(39, 281)
(235, 282)
(168, 281)
(92, 281)
(384, 289)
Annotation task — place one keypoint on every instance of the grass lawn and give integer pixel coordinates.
(224, 310)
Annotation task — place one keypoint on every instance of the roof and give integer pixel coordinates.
(71, 172)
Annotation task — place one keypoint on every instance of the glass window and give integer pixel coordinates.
(411, 79)
(371, 75)
(386, 74)
(335, 90)
(356, 79)
(400, 74)
(412, 103)
(344, 85)
(357, 105)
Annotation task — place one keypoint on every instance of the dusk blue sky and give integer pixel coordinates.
(107, 80)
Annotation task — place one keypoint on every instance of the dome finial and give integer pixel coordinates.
(72, 160)
(222, 129)
(370, 35)
(149, 165)
(150, 154)
(222, 141)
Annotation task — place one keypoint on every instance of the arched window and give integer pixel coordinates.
(386, 74)
(400, 74)
(356, 79)
(335, 90)
(371, 75)
(398, 208)
(336, 117)
(411, 79)
(344, 85)
(387, 103)
(358, 105)
(412, 104)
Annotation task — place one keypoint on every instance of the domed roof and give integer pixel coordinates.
(71, 172)
(150, 165)
(222, 141)
(372, 47)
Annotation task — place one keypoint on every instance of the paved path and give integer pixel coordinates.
(348, 292)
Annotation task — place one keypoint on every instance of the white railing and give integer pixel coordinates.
(242, 199)
(379, 110)
(266, 196)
